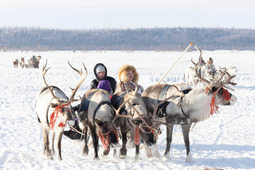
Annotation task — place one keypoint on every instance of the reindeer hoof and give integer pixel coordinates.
(137, 157)
(85, 150)
(156, 154)
(166, 158)
(189, 158)
(123, 152)
(122, 156)
(96, 158)
(148, 151)
(48, 156)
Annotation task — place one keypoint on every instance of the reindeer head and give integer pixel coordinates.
(133, 108)
(108, 134)
(63, 105)
(222, 96)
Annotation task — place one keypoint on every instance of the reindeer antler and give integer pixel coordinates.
(117, 112)
(204, 80)
(200, 56)
(44, 71)
(83, 77)
(228, 80)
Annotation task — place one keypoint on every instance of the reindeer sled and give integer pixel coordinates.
(33, 62)
(180, 104)
(206, 71)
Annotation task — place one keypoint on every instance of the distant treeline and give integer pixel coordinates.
(126, 39)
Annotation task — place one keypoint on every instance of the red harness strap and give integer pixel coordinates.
(213, 107)
(137, 135)
(54, 116)
(104, 141)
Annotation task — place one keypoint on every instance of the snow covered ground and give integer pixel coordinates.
(226, 140)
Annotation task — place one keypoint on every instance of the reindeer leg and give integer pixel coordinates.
(137, 151)
(46, 152)
(59, 144)
(52, 142)
(95, 141)
(123, 150)
(185, 132)
(85, 147)
(156, 152)
(169, 133)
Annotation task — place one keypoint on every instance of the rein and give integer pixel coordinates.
(105, 141)
(54, 115)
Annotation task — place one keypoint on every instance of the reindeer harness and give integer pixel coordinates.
(162, 96)
(85, 105)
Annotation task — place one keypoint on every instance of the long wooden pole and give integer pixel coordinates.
(175, 62)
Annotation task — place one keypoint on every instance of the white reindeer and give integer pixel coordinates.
(54, 109)
(194, 105)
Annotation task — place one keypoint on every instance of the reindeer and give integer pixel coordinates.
(133, 118)
(15, 63)
(22, 62)
(169, 106)
(53, 109)
(96, 113)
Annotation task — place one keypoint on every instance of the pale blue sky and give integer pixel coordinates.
(88, 14)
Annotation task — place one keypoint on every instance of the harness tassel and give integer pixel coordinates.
(137, 135)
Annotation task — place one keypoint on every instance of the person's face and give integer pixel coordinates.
(131, 75)
(101, 74)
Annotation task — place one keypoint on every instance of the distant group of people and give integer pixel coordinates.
(33, 62)
(128, 80)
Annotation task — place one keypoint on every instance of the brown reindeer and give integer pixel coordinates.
(132, 117)
(197, 104)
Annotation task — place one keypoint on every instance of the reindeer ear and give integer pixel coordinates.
(53, 105)
(99, 122)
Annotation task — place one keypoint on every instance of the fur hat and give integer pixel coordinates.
(123, 73)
